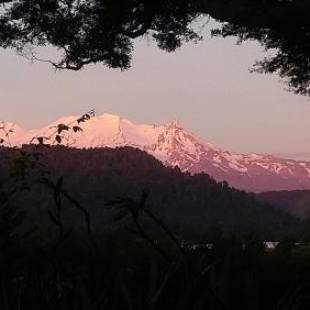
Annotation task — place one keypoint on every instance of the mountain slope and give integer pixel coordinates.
(175, 146)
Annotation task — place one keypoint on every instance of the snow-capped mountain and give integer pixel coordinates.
(175, 146)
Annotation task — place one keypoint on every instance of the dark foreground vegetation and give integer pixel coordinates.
(122, 271)
(114, 229)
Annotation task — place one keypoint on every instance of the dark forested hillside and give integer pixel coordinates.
(294, 202)
(193, 206)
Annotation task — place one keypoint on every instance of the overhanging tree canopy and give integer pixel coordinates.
(102, 31)
(94, 31)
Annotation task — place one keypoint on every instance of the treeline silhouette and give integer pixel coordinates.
(194, 207)
(137, 259)
(294, 202)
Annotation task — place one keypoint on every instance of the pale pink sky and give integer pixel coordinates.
(206, 86)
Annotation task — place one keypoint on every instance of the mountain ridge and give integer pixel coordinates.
(175, 146)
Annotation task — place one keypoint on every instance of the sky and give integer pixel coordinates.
(206, 86)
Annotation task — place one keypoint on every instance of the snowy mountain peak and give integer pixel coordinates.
(174, 125)
(175, 146)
